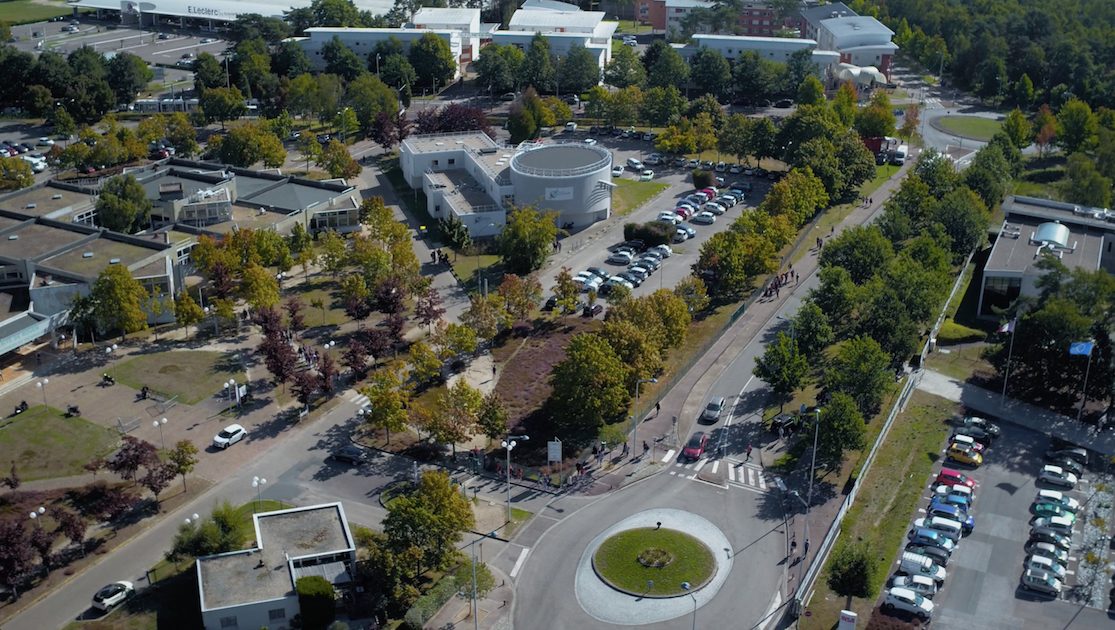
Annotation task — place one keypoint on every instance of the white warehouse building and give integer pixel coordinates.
(202, 12)
(778, 49)
(468, 176)
(563, 29)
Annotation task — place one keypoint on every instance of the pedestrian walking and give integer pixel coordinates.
(625, 449)
(646, 447)
(493, 372)
(657, 408)
(433, 255)
(749, 451)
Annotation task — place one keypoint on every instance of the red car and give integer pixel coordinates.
(696, 446)
(955, 477)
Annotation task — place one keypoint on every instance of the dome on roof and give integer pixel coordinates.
(1052, 233)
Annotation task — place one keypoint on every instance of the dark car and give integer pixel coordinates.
(977, 434)
(349, 454)
(696, 446)
(1074, 453)
(1068, 464)
(784, 104)
(551, 303)
(592, 311)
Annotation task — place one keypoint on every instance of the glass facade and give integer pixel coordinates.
(998, 292)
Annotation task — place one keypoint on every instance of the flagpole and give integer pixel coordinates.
(1010, 353)
(1084, 398)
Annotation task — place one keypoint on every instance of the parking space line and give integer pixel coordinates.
(762, 482)
(668, 455)
(701, 464)
(715, 465)
(519, 563)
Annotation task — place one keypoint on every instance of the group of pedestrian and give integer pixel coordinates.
(557, 245)
(308, 355)
(779, 281)
(438, 257)
(866, 201)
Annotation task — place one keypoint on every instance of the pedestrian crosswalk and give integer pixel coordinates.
(933, 103)
(358, 399)
(738, 474)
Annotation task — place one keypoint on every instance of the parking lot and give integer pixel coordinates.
(982, 589)
(590, 248)
(144, 43)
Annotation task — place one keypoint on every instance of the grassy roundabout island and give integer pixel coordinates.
(630, 560)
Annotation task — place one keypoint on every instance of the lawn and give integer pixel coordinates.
(26, 12)
(631, 194)
(886, 501)
(961, 362)
(191, 375)
(974, 127)
(414, 200)
(326, 290)
(686, 560)
(466, 267)
(632, 26)
(45, 444)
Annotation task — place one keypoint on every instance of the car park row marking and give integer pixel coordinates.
(668, 456)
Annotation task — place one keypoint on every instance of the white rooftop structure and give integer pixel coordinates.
(364, 40)
(214, 10)
(770, 48)
(464, 21)
(550, 5)
(546, 22)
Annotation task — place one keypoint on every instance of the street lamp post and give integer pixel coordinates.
(35, 514)
(230, 387)
(42, 386)
(634, 417)
(110, 352)
(258, 483)
(160, 424)
(689, 591)
(509, 444)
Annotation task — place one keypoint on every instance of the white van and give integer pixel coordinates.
(949, 528)
(634, 164)
(917, 564)
(901, 153)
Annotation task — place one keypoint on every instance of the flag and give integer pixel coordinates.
(1081, 347)
(1008, 327)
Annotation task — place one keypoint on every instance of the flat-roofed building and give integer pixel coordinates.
(861, 41)
(1077, 236)
(565, 30)
(778, 49)
(203, 13)
(363, 41)
(464, 21)
(255, 588)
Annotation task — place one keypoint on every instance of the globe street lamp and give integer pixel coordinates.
(634, 418)
(42, 386)
(258, 483)
(35, 514)
(689, 591)
(509, 444)
(230, 389)
(110, 352)
(160, 423)
(193, 518)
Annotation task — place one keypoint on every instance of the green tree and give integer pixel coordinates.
(860, 369)
(877, 119)
(259, 287)
(693, 292)
(842, 429)
(783, 367)
(465, 574)
(425, 366)
(1018, 129)
(248, 143)
(453, 340)
(432, 518)
(811, 92)
(460, 407)
(181, 134)
(527, 239)
(668, 69)
(498, 68)
(183, 459)
(862, 250)
(15, 173)
(812, 330)
(127, 75)
(844, 103)
(387, 402)
(222, 104)
(123, 205)
(521, 123)
(635, 347)
(589, 387)
(1084, 184)
(493, 416)
(711, 72)
(852, 570)
(625, 69)
(578, 71)
(340, 60)
(728, 261)
(316, 599)
(432, 60)
(186, 310)
(837, 296)
(1024, 92)
(538, 69)
(118, 301)
(964, 218)
(345, 123)
(1076, 126)
(486, 315)
(209, 73)
(337, 161)
(566, 291)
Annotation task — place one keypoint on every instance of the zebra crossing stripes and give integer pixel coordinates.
(358, 399)
(746, 476)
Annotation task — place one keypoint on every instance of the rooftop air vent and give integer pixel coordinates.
(460, 142)
(87, 255)
(31, 205)
(1052, 233)
(56, 196)
(439, 144)
(114, 261)
(13, 237)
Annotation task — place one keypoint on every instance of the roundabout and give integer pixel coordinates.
(652, 566)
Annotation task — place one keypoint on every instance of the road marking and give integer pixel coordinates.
(701, 464)
(668, 455)
(921, 510)
(762, 482)
(520, 561)
(750, 477)
(1070, 573)
(715, 465)
(673, 472)
(731, 473)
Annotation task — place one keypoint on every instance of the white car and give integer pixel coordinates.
(45, 142)
(1048, 550)
(1059, 524)
(704, 218)
(1060, 498)
(669, 217)
(650, 262)
(714, 208)
(621, 258)
(617, 171)
(1057, 476)
(663, 250)
(113, 595)
(907, 600)
(735, 169)
(1041, 582)
(680, 236)
(1049, 565)
(590, 141)
(646, 176)
(229, 435)
(921, 584)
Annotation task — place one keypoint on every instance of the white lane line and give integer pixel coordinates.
(701, 464)
(715, 466)
(520, 561)
(731, 473)
(750, 477)
(668, 455)
(673, 472)
(762, 482)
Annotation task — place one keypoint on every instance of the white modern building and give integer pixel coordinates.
(205, 13)
(549, 5)
(677, 10)
(468, 176)
(255, 588)
(363, 41)
(861, 41)
(563, 29)
(778, 49)
(465, 21)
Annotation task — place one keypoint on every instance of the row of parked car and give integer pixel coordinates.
(641, 262)
(1054, 517)
(948, 518)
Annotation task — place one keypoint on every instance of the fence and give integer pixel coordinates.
(126, 426)
(811, 574)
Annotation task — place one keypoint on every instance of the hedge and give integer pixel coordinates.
(428, 605)
(951, 332)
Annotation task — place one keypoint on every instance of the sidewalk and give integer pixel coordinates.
(1017, 412)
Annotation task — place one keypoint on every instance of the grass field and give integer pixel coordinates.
(974, 127)
(45, 444)
(466, 267)
(886, 500)
(617, 561)
(191, 375)
(26, 12)
(630, 194)
(326, 290)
